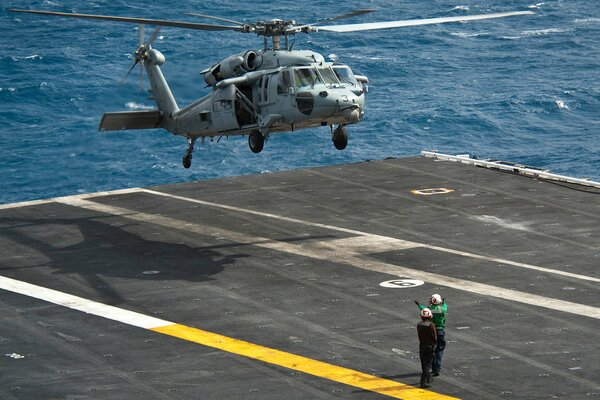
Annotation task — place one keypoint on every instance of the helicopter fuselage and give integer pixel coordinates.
(270, 91)
(255, 93)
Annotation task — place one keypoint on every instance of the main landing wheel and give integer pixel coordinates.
(256, 141)
(187, 160)
(340, 137)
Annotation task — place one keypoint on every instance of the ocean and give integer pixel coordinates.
(523, 89)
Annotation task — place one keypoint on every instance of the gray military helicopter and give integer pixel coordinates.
(256, 92)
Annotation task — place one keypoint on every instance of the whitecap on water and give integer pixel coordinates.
(137, 106)
(587, 21)
(535, 6)
(543, 32)
(561, 104)
(461, 8)
(31, 57)
(468, 35)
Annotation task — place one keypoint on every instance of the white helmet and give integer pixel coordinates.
(426, 313)
(436, 299)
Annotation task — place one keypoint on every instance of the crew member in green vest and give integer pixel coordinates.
(439, 309)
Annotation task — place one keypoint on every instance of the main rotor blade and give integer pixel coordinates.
(323, 21)
(216, 18)
(141, 34)
(415, 22)
(128, 72)
(160, 22)
(153, 36)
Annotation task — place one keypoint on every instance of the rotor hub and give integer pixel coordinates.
(274, 27)
(141, 53)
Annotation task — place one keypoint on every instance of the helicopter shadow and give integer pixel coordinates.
(93, 251)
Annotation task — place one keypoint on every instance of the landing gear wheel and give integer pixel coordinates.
(256, 141)
(340, 137)
(187, 160)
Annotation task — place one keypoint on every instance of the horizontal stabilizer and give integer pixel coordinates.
(117, 121)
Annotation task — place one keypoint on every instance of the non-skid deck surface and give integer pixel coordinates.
(268, 287)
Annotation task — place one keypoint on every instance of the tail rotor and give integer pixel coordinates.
(141, 54)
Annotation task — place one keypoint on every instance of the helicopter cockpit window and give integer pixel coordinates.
(306, 77)
(328, 76)
(284, 82)
(345, 75)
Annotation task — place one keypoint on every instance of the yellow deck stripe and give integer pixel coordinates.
(272, 356)
(298, 363)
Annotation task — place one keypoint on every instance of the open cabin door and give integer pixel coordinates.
(223, 104)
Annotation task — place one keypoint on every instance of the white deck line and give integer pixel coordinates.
(75, 196)
(315, 250)
(80, 304)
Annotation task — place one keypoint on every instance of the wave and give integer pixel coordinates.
(137, 106)
(469, 35)
(31, 57)
(535, 32)
(560, 104)
(587, 21)
(543, 32)
(535, 6)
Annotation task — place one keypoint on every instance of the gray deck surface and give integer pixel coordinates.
(305, 280)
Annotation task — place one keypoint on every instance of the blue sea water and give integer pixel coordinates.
(523, 89)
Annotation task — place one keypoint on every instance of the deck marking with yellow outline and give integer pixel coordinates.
(235, 346)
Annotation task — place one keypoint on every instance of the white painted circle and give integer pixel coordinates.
(431, 191)
(401, 283)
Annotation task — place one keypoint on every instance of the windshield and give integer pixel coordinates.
(328, 76)
(345, 75)
(306, 77)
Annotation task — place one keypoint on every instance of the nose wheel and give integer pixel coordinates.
(187, 159)
(256, 141)
(340, 137)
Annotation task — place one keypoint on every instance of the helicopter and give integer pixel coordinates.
(256, 92)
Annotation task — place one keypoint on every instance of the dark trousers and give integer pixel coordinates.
(436, 365)
(426, 355)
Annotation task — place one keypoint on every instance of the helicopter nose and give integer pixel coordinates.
(352, 115)
(332, 102)
(351, 106)
(342, 101)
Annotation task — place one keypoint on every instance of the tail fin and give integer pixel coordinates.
(162, 94)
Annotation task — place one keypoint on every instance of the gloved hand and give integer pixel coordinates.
(417, 303)
(443, 300)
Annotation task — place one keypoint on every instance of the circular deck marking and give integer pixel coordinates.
(401, 283)
(431, 191)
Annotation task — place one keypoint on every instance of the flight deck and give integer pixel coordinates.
(301, 285)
